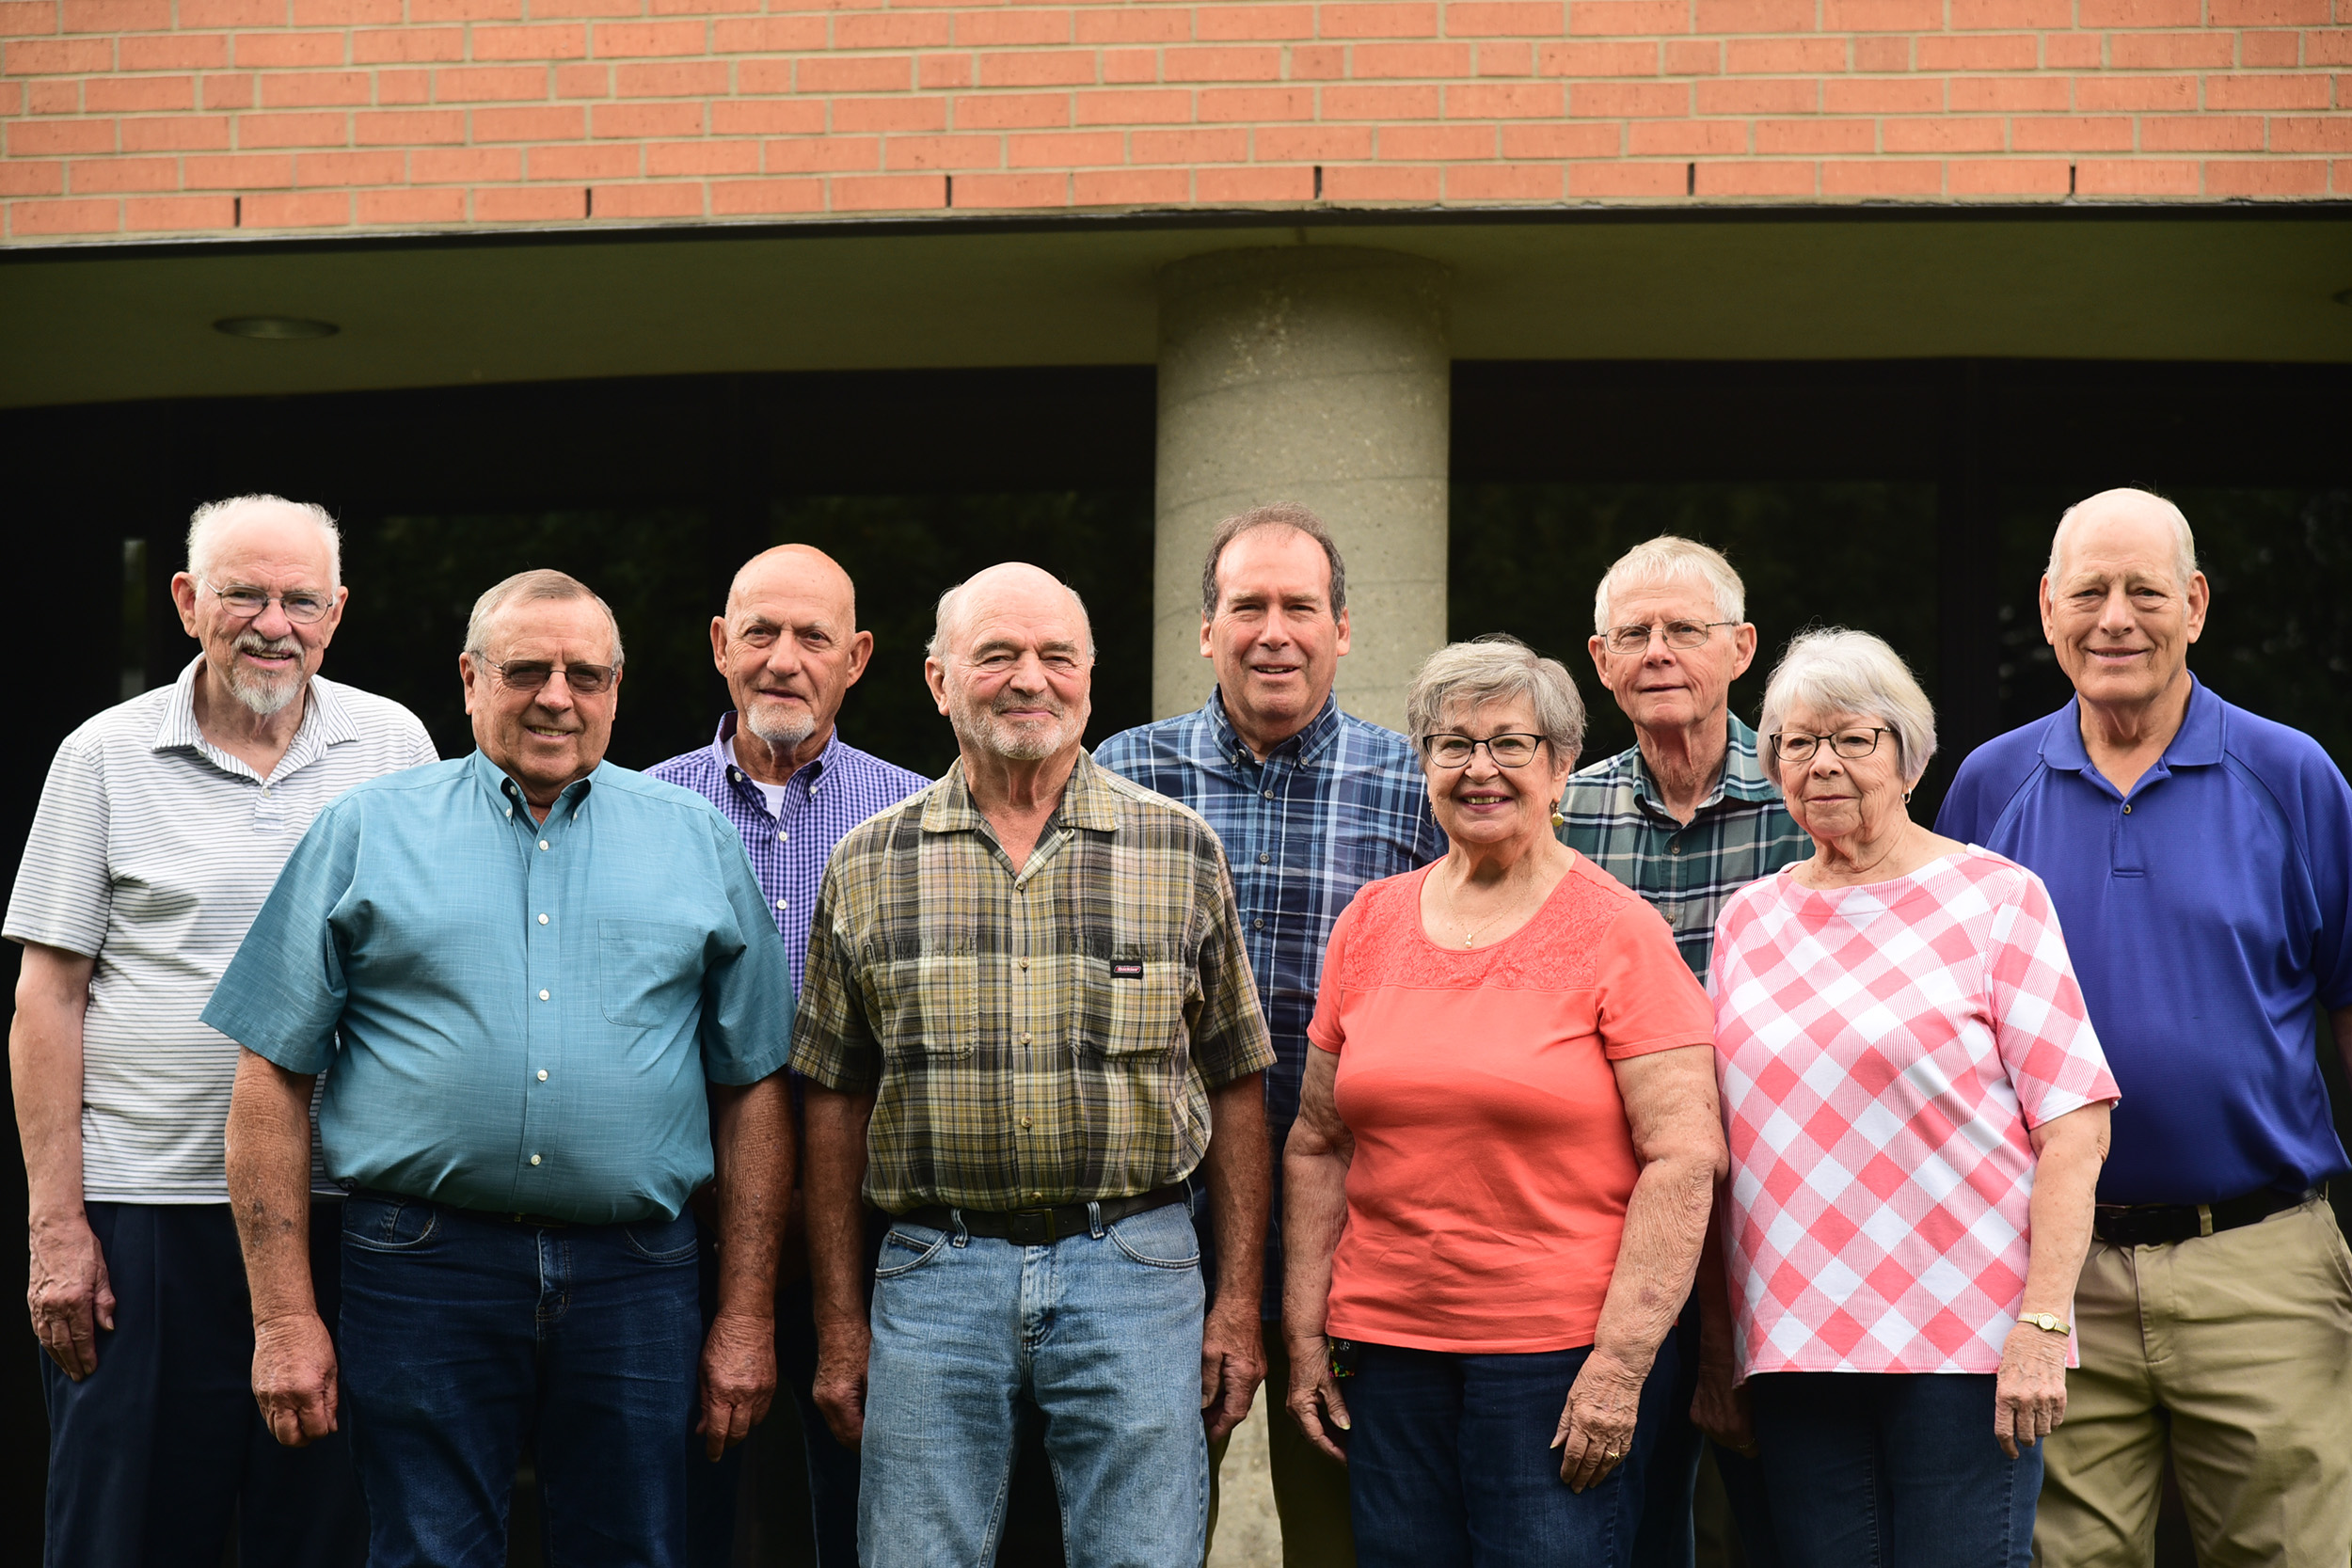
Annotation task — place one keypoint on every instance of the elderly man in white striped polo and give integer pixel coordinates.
(162, 827)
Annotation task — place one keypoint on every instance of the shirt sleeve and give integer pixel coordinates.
(1229, 1037)
(747, 993)
(2040, 1021)
(421, 752)
(1650, 999)
(283, 994)
(833, 1041)
(65, 883)
(2328, 851)
(1324, 1030)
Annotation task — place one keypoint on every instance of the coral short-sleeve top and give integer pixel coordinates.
(1486, 1195)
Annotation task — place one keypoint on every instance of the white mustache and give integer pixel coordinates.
(253, 642)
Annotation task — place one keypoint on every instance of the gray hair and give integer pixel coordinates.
(206, 520)
(524, 588)
(1289, 515)
(1837, 671)
(1670, 558)
(2184, 542)
(945, 619)
(1496, 668)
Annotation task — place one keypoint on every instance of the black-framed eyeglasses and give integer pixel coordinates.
(529, 674)
(1508, 750)
(247, 602)
(1685, 635)
(1850, 744)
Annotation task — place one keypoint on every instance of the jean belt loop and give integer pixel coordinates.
(1094, 1220)
(2204, 1219)
(963, 1236)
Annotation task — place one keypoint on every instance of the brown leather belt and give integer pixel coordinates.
(1041, 1226)
(2156, 1223)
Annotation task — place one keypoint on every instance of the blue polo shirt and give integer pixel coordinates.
(516, 1016)
(2205, 915)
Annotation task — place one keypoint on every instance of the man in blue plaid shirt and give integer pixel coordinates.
(778, 770)
(1685, 819)
(1311, 804)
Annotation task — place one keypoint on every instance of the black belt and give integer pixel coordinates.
(529, 1222)
(2155, 1223)
(1041, 1226)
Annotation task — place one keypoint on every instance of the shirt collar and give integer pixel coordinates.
(2196, 744)
(1740, 778)
(503, 791)
(1320, 732)
(1087, 801)
(324, 720)
(722, 754)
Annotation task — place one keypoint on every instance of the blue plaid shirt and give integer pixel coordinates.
(1339, 804)
(822, 802)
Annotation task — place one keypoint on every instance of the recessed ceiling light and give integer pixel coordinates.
(275, 327)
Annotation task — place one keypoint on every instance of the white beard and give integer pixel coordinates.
(264, 694)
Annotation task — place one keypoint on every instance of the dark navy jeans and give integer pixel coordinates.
(1892, 1470)
(465, 1337)
(1450, 1463)
(152, 1456)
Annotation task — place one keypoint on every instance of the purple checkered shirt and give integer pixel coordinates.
(822, 802)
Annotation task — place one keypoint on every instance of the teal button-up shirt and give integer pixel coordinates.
(519, 1016)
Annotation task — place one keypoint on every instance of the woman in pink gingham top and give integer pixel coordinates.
(1917, 1108)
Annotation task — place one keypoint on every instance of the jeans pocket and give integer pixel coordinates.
(1161, 1238)
(391, 1225)
(905, 1250)
(664, 1240)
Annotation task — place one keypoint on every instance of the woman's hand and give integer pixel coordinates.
(1720, 1408)
(2029, 1395)
(1314, 1399)
(1596, 1426)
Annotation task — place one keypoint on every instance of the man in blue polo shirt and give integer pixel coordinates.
(2201, 860)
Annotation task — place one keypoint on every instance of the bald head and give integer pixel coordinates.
(803, 570)
(790, 648)
(1011, 665)
(1014, 587)
(2135, 522)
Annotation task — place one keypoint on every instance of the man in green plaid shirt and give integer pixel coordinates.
(1027, 1019)
(1685, 819)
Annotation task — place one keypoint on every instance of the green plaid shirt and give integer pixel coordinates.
(1032, 1035)
(1740, 833)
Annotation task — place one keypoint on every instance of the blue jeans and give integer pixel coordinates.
(1098, 1335)
(1892, 1470)
(1451, 1462)
(465, 1337)
(1667, 1538)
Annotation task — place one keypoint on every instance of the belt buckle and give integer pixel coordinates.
(1030, 1226)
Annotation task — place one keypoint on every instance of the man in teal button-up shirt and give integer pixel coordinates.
(554, 1005)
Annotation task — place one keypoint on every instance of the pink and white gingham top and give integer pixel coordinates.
(1882, 1052)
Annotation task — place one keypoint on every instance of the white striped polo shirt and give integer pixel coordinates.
(151, 852)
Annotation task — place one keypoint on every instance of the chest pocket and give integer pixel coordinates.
(1132, 1008)
(932, 1004)
(646, 971)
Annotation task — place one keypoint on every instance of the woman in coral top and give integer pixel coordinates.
(1498, 1185)
(1918, 1110)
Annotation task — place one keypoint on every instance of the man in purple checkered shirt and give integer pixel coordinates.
(790, 648)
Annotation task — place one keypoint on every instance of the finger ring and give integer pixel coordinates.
(1611, 1453)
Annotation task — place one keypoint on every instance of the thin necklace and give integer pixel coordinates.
(1491, 919)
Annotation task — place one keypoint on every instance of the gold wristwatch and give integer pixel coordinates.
(2049, 1323)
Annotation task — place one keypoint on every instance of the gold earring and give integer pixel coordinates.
(1558, 820)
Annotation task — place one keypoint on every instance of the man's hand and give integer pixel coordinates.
(69, 1296)
(1596, 1425)
(1720, 1409)
(1314, 1400)
(842, 1351)
(294, 1378)
(738, 1379)
(2029, 1394)
(1232, 1363)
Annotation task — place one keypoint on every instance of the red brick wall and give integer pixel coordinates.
(162, 116)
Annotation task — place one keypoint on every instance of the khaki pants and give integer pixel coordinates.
(2236, 1347)
(1310, 1488)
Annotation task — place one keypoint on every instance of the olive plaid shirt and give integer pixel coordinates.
(1740, 833)
(1037, 1034)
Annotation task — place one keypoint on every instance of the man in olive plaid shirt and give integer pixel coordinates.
(1027, 1018)
(1685, 819)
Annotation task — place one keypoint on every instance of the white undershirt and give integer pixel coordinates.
(772, 794)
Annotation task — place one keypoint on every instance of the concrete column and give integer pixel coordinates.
(1318, 375)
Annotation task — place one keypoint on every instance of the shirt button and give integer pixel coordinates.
(543, 920)
(1025, 1124)
(779, 903)
(543, 843)
(543, 996)
(1264, 859)
(1025, 1039)
(1268, 794)
(1257, 924)
(1024, 964)
(534, 1159)
(782, 837)
(543, 1075)
(2127, 808)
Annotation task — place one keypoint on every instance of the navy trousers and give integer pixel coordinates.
(158, 1454)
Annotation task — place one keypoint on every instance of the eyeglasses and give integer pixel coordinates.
(529, 674)
(1678, 634)
(1850, 744)
(247, 603)
(1508, 750)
